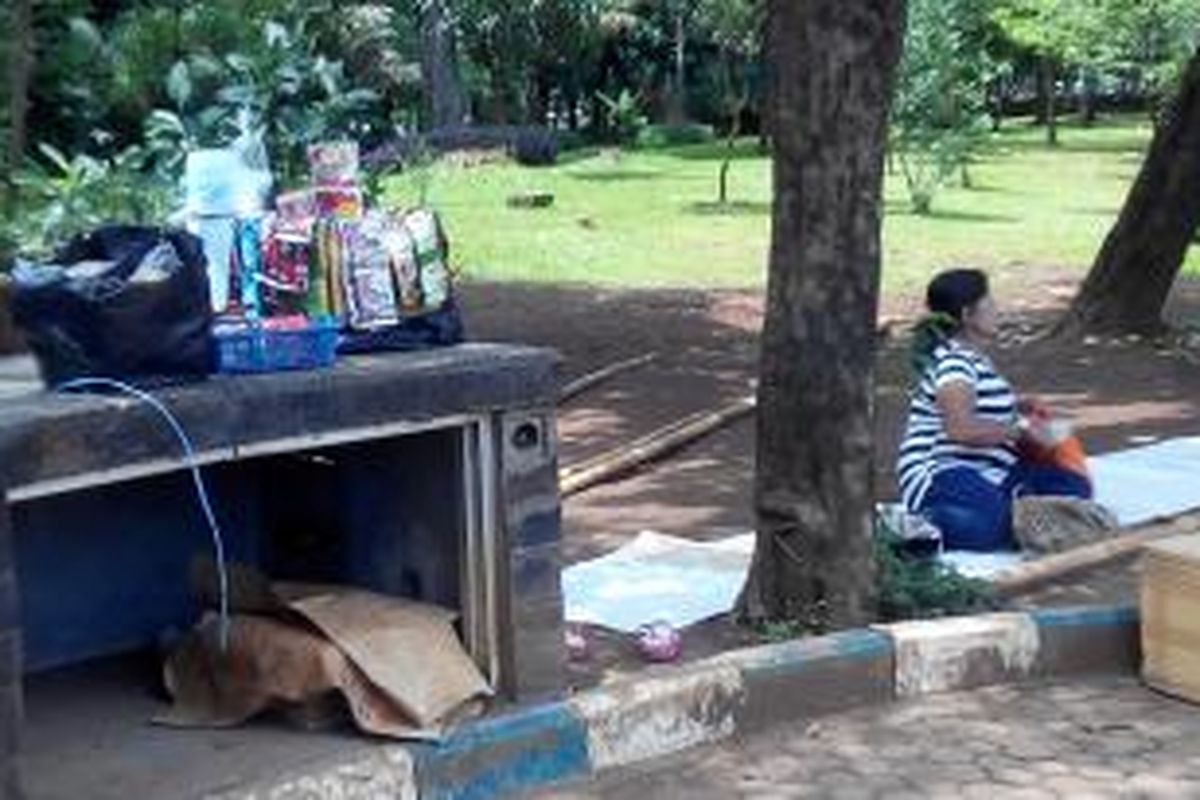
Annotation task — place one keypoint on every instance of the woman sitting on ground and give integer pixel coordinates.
(960, 463)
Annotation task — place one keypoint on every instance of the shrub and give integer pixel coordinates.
(921, 588)
(529, 145)
(654, 136)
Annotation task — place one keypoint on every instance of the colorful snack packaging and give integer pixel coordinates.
(249, 240)
(340, 202)
(297, 206)
(429, 242)
(334, 164)
(370, 291)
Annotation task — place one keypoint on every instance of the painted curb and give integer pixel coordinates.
(962, 652)
(666, 710)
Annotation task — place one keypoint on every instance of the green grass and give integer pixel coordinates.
(647, 218)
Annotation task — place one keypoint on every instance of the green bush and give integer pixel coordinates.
(60, 197)
(654, 136)
(923, 588)
(571, 140)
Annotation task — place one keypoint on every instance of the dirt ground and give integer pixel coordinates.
(1119, 394)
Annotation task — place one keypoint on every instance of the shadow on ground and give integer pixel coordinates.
(1119, 393)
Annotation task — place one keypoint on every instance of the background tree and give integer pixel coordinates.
(1132, 277)
(735, 27)
(447, 102)
(1054, 31)
(1148, 42)
(833, 64)
(940, 117)
(19, 49)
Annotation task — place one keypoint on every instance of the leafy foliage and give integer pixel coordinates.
(625, 117)
(939, 115)
(922, 588)
(61, 197)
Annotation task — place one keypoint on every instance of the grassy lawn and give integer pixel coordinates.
(647, 218)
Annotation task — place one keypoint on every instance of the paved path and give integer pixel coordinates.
(1106, 738)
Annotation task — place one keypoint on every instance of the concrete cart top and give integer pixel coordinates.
(51, 443)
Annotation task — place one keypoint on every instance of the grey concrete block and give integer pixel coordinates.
(959, 653)
(529, 442)
(534, 529)
(9, 618)
(535, 572)
(10, 657)
(1084, 640)
(6, 542)
(44, 437)
(538, 650)
(12, 717)
(810, 677)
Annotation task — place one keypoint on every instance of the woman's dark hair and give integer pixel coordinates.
(950, 295)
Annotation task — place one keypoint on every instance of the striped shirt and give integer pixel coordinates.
(927, 450)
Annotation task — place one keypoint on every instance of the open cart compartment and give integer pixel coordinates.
(429, 476)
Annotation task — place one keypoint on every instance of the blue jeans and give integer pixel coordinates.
(975, 514)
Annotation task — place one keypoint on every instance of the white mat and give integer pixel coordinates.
(1158, 480)
(665, 578)
(658, 578)
(984, 566)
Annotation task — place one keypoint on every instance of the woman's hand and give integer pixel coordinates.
(1034, 408)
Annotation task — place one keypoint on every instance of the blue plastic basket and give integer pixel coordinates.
(263, 350)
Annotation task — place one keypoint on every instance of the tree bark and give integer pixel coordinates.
(833, 65)
(1050, 80)
(20, 73)
(439, 62)
(1087, 97)
(1133, 274)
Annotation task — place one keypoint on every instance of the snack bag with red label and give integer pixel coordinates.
(1050, 440)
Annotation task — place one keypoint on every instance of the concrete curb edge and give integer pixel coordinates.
(669, 709)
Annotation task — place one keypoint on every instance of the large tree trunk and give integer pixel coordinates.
(1129, 284)
(20, 72)
(832, 67)
(439, 62)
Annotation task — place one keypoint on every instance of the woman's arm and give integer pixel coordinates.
(956, 401)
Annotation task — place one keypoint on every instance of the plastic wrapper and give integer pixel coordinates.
(430, 244)
(339, 202)
(249, 274)
(122, 302)
(334, 164)
(370, 291)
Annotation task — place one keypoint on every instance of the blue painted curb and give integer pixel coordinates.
(533, 747)
(1085, 616)
(498, 756)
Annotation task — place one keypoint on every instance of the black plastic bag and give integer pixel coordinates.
(121, 302)
(436, 329)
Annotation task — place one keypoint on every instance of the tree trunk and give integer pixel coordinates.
(20, 72)
(1132, 277)
(439, 62)
(677, 108)
(997, 93)
(833, 65)
(735, 130)
(1087, 97)
(1043, 92)
(1050, 81)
